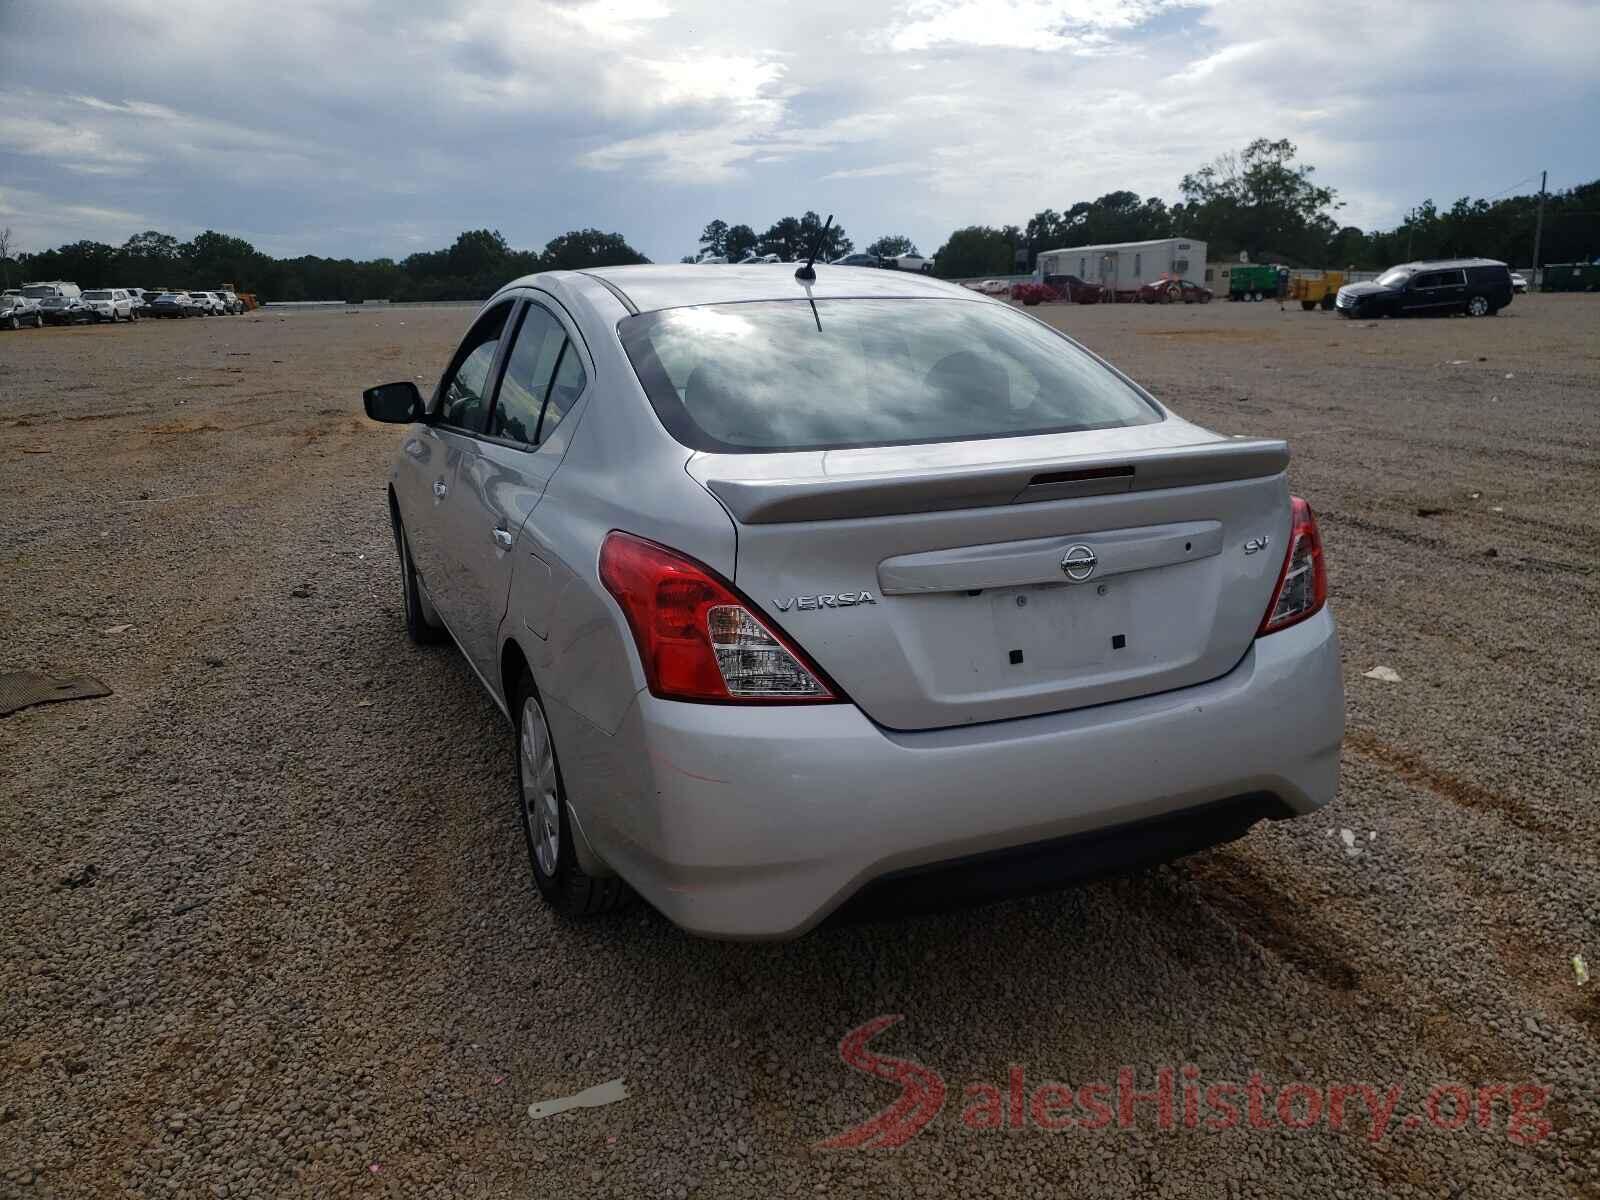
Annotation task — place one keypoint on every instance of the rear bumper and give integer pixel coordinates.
(758, 822)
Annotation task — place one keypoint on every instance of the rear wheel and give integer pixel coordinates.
(546, 823)
(1328, 302)
(13, 324)
(1308, 305)
(1478, 306)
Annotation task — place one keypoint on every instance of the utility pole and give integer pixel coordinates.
(1411, 225)
(1538, 229)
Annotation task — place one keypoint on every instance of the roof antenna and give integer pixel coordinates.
(805, 274)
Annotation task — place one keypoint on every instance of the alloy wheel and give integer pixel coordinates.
(540, 796)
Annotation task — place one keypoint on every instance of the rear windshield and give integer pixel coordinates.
(97, 295)
(796, 375)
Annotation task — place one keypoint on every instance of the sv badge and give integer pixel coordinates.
(1256, 543)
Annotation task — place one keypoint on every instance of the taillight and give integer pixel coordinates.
(1303, 581)
(697, 637)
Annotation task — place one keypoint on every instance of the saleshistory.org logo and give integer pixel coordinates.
(1175, 1097)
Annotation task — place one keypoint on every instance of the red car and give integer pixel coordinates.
(1171, 291)
(1074, 290)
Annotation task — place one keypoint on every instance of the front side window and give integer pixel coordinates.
(796, 375)
(466, 388)
(530, 365)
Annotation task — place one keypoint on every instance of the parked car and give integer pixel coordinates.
(174, 304)
(1032, 294)
(815, 645)
(209, 303)
(753, 259)
(230, 301)
(136, 296)
(1477, 287)
(908, 262)
(17, 310)
(1075, 290)
(857, 259)
(58, 300)
(1519, 283)
(1174, 291)
(990, 287)
(110, 304)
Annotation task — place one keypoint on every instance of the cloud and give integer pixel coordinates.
(1043, 25)
(383, 126)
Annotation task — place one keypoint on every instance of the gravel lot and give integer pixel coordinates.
(266, 927)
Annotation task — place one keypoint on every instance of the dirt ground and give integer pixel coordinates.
(266, 927)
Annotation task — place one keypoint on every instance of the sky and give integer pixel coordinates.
(366, 128)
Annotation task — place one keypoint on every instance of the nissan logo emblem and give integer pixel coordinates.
(1078, 563)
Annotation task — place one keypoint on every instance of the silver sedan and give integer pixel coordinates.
(857, 593)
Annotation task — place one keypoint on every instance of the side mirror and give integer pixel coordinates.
(394, 403)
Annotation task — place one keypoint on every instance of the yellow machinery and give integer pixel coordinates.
(1318, 292)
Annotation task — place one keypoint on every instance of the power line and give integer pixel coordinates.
(1517, 184)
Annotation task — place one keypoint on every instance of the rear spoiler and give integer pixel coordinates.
(763, 501)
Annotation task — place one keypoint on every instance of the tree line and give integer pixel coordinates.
(790, 238)
(473, 267)
(1263, 202)
(1260, 200)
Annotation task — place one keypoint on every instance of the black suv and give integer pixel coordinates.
(1478, 287)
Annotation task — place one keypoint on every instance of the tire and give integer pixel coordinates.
(13, 324)
(546, 823)
(1328, 302)
(38, 321)
(1174, 295)
(1308, 305)
(1255, 297)
(1478, 306)
(422, 623)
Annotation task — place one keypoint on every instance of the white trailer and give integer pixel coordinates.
(1125, 267)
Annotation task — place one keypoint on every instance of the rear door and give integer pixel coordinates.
(503, 477)
(1451, 290)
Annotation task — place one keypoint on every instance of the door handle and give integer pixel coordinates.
(440, 489)
(502, 537)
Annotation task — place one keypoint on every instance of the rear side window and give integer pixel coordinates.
(830, 374)
(564, 390)
(527, 379)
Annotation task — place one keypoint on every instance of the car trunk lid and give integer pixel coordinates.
(951, 584)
